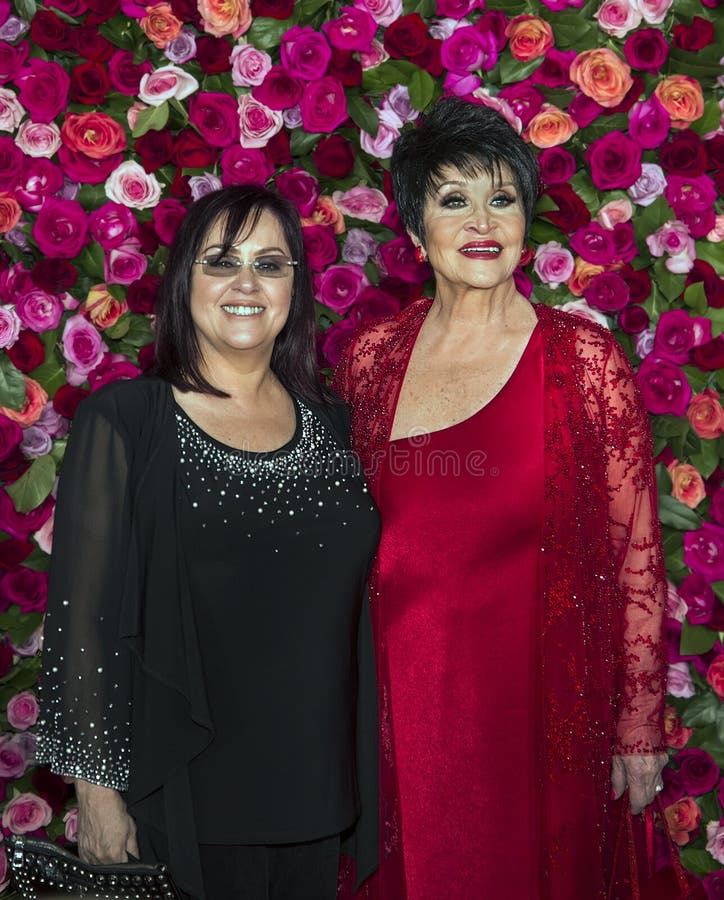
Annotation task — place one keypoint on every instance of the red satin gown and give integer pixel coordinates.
(458, 586)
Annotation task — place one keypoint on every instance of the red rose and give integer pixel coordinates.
(216, 117)
(26, 588)
(191, 151)
(141, 295)
(555, 68)
(81, 168)
(345, 66)
(50, 32)
(213, 54)
(638, 281)
(6, 658)
(695, 36)
(101, 10)
(703, 272)
(646, 49)
(320, 246)
(572, 212)
(614, 160)
(67, 399)
(124, 74)
(277, 149)
(91, 44)
(12, 59)
(51, 787)
(27, 353)
(147, 357)
(715, 151)
(89, 83)
(624, 242)
(273, 9)
(684, 154)
(406, 37)
(187, 11)
(633, 319)
(147, 233)
(710, 356)
(13, 551)
(10, 436)
(154, 149)
(54, 275)
(167, 216)
(334, 156)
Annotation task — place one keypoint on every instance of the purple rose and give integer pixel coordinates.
(301, 188)
(388, 131)
(398, 100)
(594, 243)
(11, 164)
(22, 710)
(82, 345)
(13, 759)
(24, 587)
(244, 165)
(649, 185)
(704, 549)
(353, 30)
(468, 49)
(181, 49)
(201, 185)
(323, 105)
(215, 117)
(614, 160)
(649, 123)
(36, 442)
(675, 336)
(359, 245)
(700, 598)
(10, 326)
(697, 770)
(112, 225)
(39, 311)
(61, 228)
(340, 286)
(608, 292)
(43, 89)
(306, 53)
(663, 386)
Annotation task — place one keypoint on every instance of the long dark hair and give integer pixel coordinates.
(178, 355)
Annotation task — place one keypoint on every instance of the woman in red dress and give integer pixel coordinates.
(518, 589)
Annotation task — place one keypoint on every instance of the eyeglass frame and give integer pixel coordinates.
(239, 264)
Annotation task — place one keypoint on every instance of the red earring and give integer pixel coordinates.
(419, 254)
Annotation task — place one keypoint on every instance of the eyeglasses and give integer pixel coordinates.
(227, 266)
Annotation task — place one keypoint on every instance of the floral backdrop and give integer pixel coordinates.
(114, 114)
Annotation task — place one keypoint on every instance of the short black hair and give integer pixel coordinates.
(178, 354)
(469, 137)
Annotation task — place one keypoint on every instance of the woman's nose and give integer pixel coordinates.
(480, 218)
(245, 278)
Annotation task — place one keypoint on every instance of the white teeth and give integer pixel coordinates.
(494, 251)
(243, 310)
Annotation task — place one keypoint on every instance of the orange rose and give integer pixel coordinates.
(550, 127)
(682, 98)
(683, 817)
(602, 75)
(10, 212)
(687, 485)
(102, 308)
(222, 17)
(160, 25)
(676, 734)
(326, 213)
(35, 400)
(530, 37)
(95, 134)
(583, 274)
(705, 414)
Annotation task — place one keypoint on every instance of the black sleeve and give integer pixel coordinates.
(85, 685)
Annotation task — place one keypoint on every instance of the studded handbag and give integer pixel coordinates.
(43, 869)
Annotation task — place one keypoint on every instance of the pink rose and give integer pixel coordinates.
(257, 122)
(654, 11)
(71, 825)
(352, 30)
(614, 160)
(608, 292)
(679, 681)
(112, 225)
(704, 550)
(25, 813)
(300, 187)
(340, 286)
(614, 212)
(38, 139)
(525, 101)
(166, 83)
(13, 758)
(12, 59)
(43, 89)
(130, 185)
(241, 165)
(617, 17)
(674, 239)
(676, 335)
(380, 146)
(10, 326)
(468, 49)
(649, 123)
(715, 841)
(82, 345)
(649, 185)
(39, 311)
(84, 170)
(306, 53)
(647, 50)
(249, 65)
(22, 710)
(113, 367)
(663, 386)
(320, 246)
(4, 873)
(61, 228)
(40, 179)
(594, 243)
(582, 309)
(375, 57)
(361, 202)
(215, 117)
(384, 12)
(280, 89)
(323, 106)
(553, 264)
(695, 589)
(125, 264)
(11, 112)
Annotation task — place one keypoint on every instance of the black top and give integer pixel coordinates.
(277, 547)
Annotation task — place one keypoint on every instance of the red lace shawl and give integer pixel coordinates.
(600, 656)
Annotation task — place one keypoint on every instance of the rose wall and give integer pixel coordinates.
(114, 114)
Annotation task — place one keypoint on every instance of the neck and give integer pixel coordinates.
(243, 377)
(462, 307)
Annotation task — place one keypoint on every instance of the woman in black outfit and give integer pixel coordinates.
(208, 675)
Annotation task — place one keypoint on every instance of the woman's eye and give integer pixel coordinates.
(453, 200)
(269, 265)
(222, 262)
(503, 200)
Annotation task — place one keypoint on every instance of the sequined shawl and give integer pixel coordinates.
(600, 656)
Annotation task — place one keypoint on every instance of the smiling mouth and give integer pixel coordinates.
(487, 250)
(243, 310)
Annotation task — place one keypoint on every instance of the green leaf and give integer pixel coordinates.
(302, 142)
(38, 560)
(19, 627)
(709, 806)
(51, 374)
(718, 588)
(422, 89)
(152, 119)
(33, 486)
(308, 8)
(26, 9)
(711, 253)
(694, 64)
(120, 328)
(648, 219)
(701, 709)
(670, 284)
(12, 384)
(710, 120)
(541, 232)
(91, 261)
(512, 70)
(696, 639)
(583, 186)
(707, 459)
(668, 426)
(676, 514)
(363, 114)
(266, 34)
(700, 862)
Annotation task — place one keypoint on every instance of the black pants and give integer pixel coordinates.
(306, 871)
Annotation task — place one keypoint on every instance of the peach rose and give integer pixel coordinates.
(222, 17)
(35, 400)
(102, 308)
(676, 735)
(550, 127)
(530, 37)
(682, 98)
(95, 134)
(583, 274)
(602, 75)
(326, 213)
(715, 676)
(614, 213)
(683, 817)
(160, 25)
(687, 485)
(705, 414)
(10, 212)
